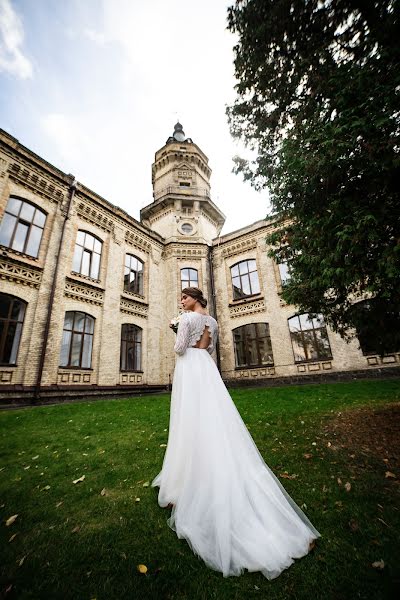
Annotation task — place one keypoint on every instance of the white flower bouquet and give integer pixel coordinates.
(175, 322)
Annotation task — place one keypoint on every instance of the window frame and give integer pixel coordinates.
(83, 333)
(7, 320)
(92, 252)
(315, 345)
(141, 279)
(190, 282)
(26, 223)
(135, 343)
(252, 294)
(246, 345)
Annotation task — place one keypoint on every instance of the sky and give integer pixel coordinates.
(95, 87)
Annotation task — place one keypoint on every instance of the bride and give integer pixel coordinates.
(226, 502)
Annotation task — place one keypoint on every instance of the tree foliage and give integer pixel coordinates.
(317, 99)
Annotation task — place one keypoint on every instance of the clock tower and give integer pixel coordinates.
(182, 210)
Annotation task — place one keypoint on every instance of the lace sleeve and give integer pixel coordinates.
(183, 335)
(214, 335)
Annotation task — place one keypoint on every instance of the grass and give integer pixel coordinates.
(72, 542)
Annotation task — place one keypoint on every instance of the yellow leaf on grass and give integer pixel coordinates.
(11, 520)
(13, 537)
(21, 562)
(142, 568)
(103, 492)
(79, 479)
(390, 475)
(378, 564)
(146, 484)
(347, 486)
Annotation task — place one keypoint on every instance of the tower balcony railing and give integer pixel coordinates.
(184, 190)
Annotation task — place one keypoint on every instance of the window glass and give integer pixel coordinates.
(20, 237)
(65, 346)
(7, 229)
(35, 236)
(12, 311)
(85, 263)
(95, 267)
(252, 343)
(309, 338)
(80, 237)
(27, 211)
(39, 219)
(87, 350)
(77, 340)
(14, 206)
(76, 349)
(97, 246)
(89, 241)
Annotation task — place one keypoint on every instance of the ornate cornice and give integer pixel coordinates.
(249, 308)
(94, 215)
(187, 251)
(137, 241)
(83, 292)
(240, 247)
(131, 307)
(33, 178)
(18, 272)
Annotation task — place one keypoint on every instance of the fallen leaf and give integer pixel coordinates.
(390, 475)
(79, 479)
(142, 568)
(35, 457)
(21, 562)
(163, 445)
(46, 487)
(146, 484)
(353, 525)
(347, 486)
(307, 455)
(11, 520)
(76, 529)
(286, 475)
(137, 499)
(339, 481)
(378, 564)
(103, 492)
(13, 537)
(59, 504)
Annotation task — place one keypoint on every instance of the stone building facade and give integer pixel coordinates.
(87, 291)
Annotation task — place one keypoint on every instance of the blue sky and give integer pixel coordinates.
(95, 87)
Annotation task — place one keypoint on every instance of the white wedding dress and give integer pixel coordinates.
(228, 505)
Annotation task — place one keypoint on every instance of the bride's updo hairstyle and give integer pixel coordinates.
(195, 293)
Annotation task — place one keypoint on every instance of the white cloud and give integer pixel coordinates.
(12, 59)
(67, 135)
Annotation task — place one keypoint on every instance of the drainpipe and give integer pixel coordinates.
(213, 301)
(72, 188)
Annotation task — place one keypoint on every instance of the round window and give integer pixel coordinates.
(186, 228)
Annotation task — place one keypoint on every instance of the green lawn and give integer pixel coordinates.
(83, 541)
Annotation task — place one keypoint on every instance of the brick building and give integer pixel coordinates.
(87, 291)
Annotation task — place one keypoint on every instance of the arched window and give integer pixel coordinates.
(131, 347)
(22, 226)
(309, 338)
(133, 275)
(253, 345)
(87, 255)
(189, 278)
(245, 279)
(12, 312)
(77, 340)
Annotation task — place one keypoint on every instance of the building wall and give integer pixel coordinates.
(27, 176)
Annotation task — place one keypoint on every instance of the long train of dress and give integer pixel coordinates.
(228, 505)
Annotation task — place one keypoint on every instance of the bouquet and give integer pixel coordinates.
(175, 322)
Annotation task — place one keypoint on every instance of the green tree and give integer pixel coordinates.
(317, 100)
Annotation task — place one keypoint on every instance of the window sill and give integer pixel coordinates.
(122, 371)
(6, 249)
(85, 277)
(251, 298)
(312, 360)
(246, 368)
(75, 368)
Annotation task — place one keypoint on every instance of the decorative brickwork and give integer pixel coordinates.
(83, 292)
(131, 307)
(18, 272)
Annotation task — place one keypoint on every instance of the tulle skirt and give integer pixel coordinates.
(228, 505)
